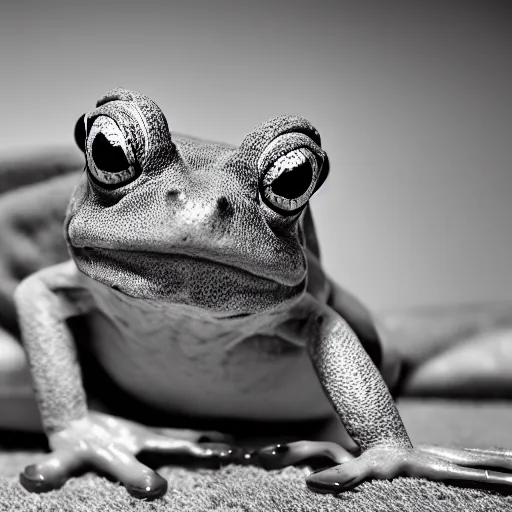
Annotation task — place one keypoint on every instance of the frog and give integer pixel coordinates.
(190, 281)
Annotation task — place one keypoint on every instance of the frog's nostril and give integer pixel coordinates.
(173, 194)
(224, 208)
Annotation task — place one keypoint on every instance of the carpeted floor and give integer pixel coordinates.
(247, 489)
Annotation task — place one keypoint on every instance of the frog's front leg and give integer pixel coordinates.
(366, 408)
(79, 438)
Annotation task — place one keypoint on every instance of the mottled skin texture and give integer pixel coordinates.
(198, 279)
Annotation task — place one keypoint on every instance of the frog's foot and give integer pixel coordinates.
(450, 465)
(389, 462)
(109, 445)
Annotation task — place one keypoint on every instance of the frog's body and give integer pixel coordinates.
(197, 270)
(243, 369)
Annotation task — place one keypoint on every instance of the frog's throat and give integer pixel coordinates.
(209, 287)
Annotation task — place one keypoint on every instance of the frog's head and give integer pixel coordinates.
(189, 222)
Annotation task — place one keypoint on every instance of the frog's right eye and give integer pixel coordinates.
(110, 157)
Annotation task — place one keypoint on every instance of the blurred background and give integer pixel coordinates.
(412, 100)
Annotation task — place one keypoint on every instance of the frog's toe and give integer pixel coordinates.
(336, 479)
(225, 453)
(169, 446)
(472, 457)
(281, 455)
(374, 463)
(150, 487)
(139, 480)
(52, 472)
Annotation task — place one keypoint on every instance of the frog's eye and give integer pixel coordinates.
(110, 157)
(290, 181)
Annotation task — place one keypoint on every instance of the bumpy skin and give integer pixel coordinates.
(196, 268)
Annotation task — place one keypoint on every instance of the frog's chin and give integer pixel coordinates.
(192, 284)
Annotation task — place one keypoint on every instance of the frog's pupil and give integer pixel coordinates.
(292, 183)
(108, 157)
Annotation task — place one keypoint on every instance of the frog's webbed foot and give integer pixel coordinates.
(458, 466)
(110, 445)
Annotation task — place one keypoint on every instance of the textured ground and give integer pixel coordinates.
(247, 489)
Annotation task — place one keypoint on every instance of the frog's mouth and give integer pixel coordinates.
(187, 280)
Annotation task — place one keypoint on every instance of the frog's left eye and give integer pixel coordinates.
(110, 157)
(290, 181)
